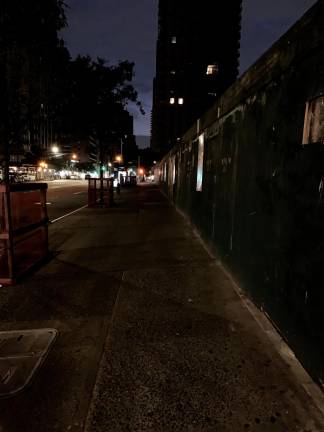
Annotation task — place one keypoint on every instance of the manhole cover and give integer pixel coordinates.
(21, 354)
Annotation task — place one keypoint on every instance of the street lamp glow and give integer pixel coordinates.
(74, 156)
(118, 158)
(55, 149)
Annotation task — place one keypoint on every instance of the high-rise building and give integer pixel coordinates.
(197, 58)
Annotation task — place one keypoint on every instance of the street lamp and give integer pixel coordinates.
(42, 168)
(43, 164)
(118, 158)
(55, 149)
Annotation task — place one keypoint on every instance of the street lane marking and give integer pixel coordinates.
(77, 193)
(39, 203)
(68, 214)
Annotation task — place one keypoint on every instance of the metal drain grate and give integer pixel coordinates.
(21, 354)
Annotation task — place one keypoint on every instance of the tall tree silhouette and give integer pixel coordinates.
(97, 100)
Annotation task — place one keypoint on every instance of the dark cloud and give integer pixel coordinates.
(127, 29)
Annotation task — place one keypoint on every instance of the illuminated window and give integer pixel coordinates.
(212, 69)
(314, 121)
(172, 100)
(180, 101)
(200, 164)
(174, 39)
(173, 171)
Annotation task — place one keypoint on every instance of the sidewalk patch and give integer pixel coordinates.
(21, 354)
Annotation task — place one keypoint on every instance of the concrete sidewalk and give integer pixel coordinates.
(152, 334)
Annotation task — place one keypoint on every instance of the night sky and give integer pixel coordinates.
(127, 30)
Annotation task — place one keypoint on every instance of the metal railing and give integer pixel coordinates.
(100, 192)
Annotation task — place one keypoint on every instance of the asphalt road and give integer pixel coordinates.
(65, 196)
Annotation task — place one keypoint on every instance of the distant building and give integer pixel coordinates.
(129, 148)
(197, 58)
(142, 141)
(120, 142)
(123, 139)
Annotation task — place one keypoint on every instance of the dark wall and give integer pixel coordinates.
(261, 206)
